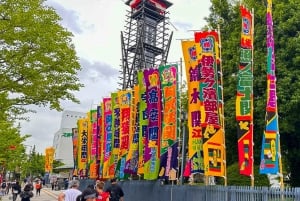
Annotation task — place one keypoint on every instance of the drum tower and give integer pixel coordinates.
(146, 40)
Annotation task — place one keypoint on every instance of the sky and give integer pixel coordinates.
(96, 26)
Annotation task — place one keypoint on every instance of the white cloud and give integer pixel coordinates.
(96, 26)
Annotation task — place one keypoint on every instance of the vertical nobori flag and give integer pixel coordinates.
(170, 120)
(93, 172)
(107, 135)
(125, 101)
(269, 163)
(195, 144)
(100, 139)
(75, 149)
(212, 131)
(116, 136)
(244, 97)
(131, 166)
(49, 156)
(82, 146)
(143, 120)
(153, 138)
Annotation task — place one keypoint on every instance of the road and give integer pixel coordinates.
(46, 195)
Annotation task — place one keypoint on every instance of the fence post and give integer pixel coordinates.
(264, 193)
(183, 154)
(297, 194)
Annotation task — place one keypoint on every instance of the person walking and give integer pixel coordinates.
(66, 183)
(71, 193)
(16, 190)
(102, 195)
(89, 194)
(8, 187)
(29, 184)
(27, 193)
(38, 187)
(115, 191)
(52, 183)
(3, 187)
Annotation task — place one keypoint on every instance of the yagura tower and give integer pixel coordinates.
(146, 39)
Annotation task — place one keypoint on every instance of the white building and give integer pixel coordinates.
(62, 141)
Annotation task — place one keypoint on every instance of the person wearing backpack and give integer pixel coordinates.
(27, 193)
(16, 189)
(115, 191)
(38, 187)
(3, 187)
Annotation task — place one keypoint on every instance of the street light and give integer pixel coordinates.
(25, 145)
(29, 159)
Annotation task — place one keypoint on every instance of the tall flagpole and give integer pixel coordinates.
(280, 164)
(222, 109)
(180, 137)
(252, 108)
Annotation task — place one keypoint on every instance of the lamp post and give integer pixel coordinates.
(29, 160)
(183, 155)
(30, 148)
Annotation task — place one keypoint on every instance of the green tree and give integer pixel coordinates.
(33, 164)
(286, 35)
(56, 164)
(11, 148)
(38, 61)
(235, 179)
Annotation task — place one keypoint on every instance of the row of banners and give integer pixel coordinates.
(136, 131)
(269, 163)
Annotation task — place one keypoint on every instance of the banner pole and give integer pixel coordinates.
(222, 109)
(252, 68)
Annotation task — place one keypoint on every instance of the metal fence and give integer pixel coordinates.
(153, 191)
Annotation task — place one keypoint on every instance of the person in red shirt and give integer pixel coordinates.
(38, 187)
(102, 195)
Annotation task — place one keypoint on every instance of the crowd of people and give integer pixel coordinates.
(16, 189)
(96, 192)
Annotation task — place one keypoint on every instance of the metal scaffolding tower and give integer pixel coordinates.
(146, 40)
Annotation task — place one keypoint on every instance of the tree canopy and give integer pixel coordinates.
(38, 61)
(38, 66)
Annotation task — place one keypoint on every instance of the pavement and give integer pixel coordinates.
(46, 195)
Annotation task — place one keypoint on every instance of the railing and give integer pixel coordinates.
(141, 190)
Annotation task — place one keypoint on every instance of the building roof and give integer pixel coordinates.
(64, 167)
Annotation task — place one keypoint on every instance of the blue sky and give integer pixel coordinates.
(96, 26)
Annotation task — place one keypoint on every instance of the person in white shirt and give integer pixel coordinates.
(72, 193)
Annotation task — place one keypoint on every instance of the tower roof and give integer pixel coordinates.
(161, 4)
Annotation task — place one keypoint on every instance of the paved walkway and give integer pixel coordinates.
(46, 195)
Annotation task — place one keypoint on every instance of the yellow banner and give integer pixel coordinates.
(125, 100)
(49, 155)
(211, 99)
(190, 53)
(82, 146)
